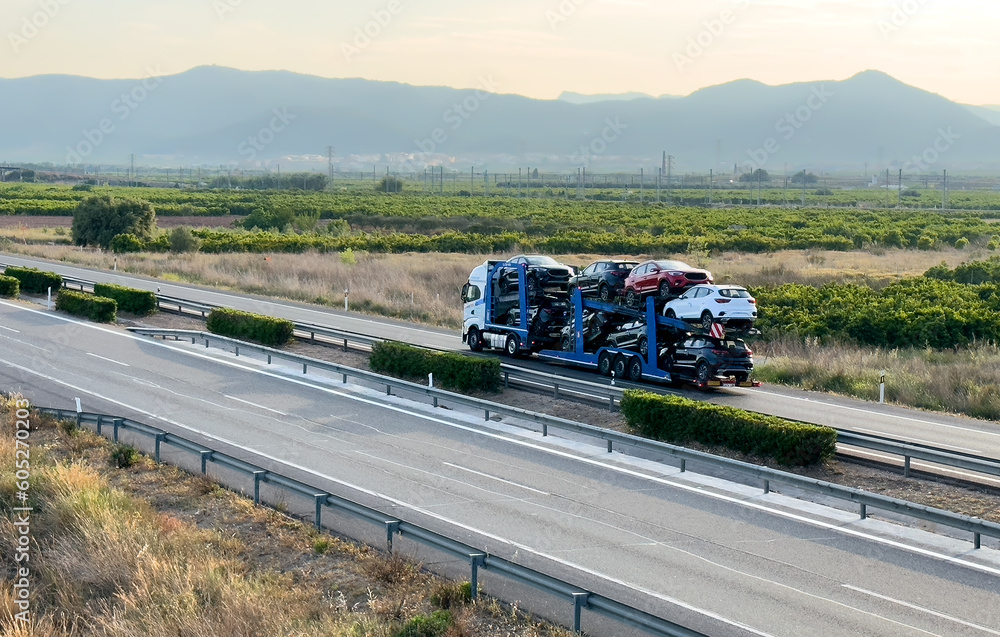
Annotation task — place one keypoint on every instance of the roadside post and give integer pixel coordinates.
(881, 388)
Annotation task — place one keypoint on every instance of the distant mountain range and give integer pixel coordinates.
(217, 115)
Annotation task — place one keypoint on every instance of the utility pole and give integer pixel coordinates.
(329, 164)
(670, 167)
(944, 195)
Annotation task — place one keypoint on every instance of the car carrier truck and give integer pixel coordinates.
(559, 329)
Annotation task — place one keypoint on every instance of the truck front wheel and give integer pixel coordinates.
(475, 340)
(513, 346)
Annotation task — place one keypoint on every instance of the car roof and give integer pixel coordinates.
(718, 287)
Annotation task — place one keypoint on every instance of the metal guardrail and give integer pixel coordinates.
(765, 475)
(561, 385)
(477, 559)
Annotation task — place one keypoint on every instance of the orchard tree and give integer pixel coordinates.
(98, 220)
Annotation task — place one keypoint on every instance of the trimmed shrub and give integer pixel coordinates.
(33, 280)
(679, 420)
(127, 243)
(95, 308)
(9, 287)
(129, 300)
(124, 456)
(451, 371)
(246, 326)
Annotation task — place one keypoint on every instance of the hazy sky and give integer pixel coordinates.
(532, 47)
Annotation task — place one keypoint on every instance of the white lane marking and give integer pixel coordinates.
(9, 329)
(514, 441)
(924, 610)
(928, 442)
(109, 360)
(247, 402)
(20, 342)
(877, 413)
(517, 545)
(486, 475)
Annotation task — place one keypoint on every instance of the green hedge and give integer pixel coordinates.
(250, 327)
(681, 420)
(129, 300)
(9, 287)
(95, 308)
(451, 371)
(34, 281)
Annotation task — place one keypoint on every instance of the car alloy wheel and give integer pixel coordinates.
(604, 292)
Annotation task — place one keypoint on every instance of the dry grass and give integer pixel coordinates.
(966, 382)
(192, 559)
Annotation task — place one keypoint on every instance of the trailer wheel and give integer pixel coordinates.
(621, 367)
(707, 320)
(605, 364)
(513, 346)
(475, 340)
(704, 373)
(635, 369)
(670, 313)
(604, 293)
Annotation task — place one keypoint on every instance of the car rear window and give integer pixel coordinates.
(735, 293)
(622, 266)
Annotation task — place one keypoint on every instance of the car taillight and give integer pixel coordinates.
(752, 301)
(749, 352)
(722, 300)
(720, 352)
(621, 274)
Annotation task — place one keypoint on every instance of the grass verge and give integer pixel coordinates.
(151, 550)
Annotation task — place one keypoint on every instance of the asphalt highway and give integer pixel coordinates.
(940, 430)
(721, 559)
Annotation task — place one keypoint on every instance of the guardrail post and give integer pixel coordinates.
(435, 402)
(487, 413)
(206, 343)
(977, 541)
(258, 477)
(684, 464)
(312, 337)
(476, 560)
(205, 457)
(767, 487)
(320, 499)
(237, 351)
(117, 423)
(345, 379)
(304, 368)
(906, 466)
(345, 344)
(545, 429)
(506, 380)
(864, 511)
(611, 446)
(579, 603)
(79, 420)
(192, 340)
(100, 421)
(268, 359)
(611, 403)
(159, 440)
(391, 528)
(388, 389)
(555, 390)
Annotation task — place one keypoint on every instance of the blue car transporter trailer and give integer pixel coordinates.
(625, 363)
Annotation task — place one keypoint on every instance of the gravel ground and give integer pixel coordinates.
(982, 502)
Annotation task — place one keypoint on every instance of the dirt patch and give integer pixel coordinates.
(982, 502)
